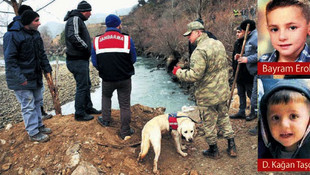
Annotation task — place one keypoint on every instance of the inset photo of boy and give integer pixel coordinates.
(283, 30)
(284, 111)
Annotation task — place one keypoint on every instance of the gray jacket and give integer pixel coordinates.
(250, 51)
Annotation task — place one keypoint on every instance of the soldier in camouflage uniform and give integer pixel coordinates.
(209, 72)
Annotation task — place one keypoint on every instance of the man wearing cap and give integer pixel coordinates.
(209, 73)
(25, 59)
(78, 45)
(114, 54)
(250, 59)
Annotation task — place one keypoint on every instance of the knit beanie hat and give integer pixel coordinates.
(112, 21)
(248, 21)
(84, 6)
(28, 16)
(23, 8)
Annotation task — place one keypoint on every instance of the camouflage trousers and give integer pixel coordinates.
(213, 116)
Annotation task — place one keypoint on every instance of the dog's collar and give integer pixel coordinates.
(173, 123)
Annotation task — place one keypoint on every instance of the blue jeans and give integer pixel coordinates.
(42, 91)
(80, 71)
(31, 111)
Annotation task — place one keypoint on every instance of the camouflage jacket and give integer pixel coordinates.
(209, 72)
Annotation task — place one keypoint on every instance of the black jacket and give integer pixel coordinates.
(243, 76)
(25, 58)
(114, 61)
(78, 41)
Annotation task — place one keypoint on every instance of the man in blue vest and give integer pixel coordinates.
(113, 54)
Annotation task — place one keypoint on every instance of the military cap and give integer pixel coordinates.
(195, 25)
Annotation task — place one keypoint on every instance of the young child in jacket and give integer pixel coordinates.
(285, 111)
(288, 26)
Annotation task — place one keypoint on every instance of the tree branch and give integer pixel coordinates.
(7, 1)
(7, 12)
(45, 5)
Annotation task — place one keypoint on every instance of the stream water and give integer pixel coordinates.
(150, 87)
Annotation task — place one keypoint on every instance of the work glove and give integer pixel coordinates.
(175, 69)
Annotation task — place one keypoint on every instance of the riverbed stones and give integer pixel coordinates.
(6, 166)
(38, 171)
(85, 168)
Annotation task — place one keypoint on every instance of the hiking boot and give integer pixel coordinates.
(231, 150)
(84, 117)
(131, 131)
(45, 130)
(239, 115)
(250, 117)
(48, 116)
(93, 111)
(40, 137)
(212, 152)
(45, 115)
(102, 122)
(253, 132)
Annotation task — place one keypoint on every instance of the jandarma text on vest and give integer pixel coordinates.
(111, 37)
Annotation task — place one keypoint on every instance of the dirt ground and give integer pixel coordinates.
(102, 148)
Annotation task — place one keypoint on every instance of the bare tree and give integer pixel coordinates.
(16, 5)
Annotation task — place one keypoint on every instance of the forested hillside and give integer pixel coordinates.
(157, 26)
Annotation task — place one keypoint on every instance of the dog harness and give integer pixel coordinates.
(173, 123)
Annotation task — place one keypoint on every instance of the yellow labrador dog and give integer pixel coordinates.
(180, 126)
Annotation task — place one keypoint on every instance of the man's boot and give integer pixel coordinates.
(231, 150)
(212, 152)
(45, 115)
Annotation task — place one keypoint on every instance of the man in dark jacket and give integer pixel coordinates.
(244, 78)
(78, 45)
(25, 59)
(250, 58)
(114, 54)
(16, 23)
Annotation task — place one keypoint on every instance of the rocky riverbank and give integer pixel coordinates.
(10, 108)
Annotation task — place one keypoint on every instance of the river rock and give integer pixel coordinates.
(73, 149)
(20, 170)
(75, 159)
(38, 171)
(85, 168)
(8, 126)
(3, 142)
(6, 166)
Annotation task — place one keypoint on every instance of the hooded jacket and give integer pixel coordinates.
(16, 23)
(24, 57)
(250, 51)
(77, 38)
(272, 149)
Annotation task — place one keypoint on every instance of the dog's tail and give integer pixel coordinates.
(145, 146)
